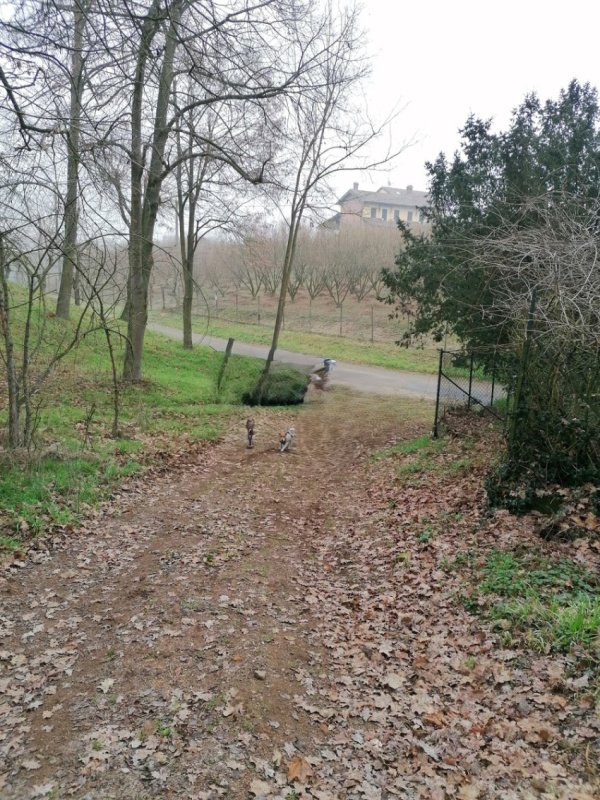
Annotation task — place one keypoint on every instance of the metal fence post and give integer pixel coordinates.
(437, 395)
(470, 383)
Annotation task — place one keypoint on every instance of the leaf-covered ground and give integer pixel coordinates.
(255, 624)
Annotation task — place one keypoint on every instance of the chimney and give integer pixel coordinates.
(355, 186)
(409, 188)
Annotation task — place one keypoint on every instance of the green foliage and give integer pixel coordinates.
(554, 604)
(554, 432)
(9, 544)
(510, 575)
(54, 491)
(557, 623)
(504, 214)
(412, 446)
(76, 462)
(285, 386)
(549, 148)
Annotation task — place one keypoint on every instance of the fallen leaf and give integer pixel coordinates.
(260, 788)
(394, 680)
(299, 769)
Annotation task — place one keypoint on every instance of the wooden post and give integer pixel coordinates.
(341, 318)
(258, 307)
(372, 327)
(163, 298)
(228, 350)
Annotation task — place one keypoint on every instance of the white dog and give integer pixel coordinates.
(285, 439)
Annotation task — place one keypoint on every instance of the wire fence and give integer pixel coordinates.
(463, 382)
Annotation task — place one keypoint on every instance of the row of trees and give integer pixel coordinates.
(337, 264)
(511, 267)
(118, 114)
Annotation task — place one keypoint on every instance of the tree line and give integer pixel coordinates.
(340, 264)
(118, 115)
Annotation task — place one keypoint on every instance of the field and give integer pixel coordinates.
(369, 331)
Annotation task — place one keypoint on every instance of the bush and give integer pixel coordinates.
(285, 386)
(554, 432)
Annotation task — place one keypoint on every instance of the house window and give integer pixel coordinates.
(421, 217)
(384, 214)
(373, 213)
(409, 216)
(396, 215)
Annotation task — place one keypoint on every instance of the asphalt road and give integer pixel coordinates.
(376, 380)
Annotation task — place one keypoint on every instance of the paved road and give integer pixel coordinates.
(376, 380)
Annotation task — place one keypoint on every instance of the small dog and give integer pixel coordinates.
(250, 431)
(285, 439)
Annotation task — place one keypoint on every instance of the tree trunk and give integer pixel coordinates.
(77, 287)
(288, 262)
(144, 208)
(9, 354)
(188, 297)
(63, 303)
(187, 239)
(188, 251)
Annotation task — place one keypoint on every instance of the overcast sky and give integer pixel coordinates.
(446, 59)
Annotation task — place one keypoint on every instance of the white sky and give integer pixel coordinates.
(444, 59)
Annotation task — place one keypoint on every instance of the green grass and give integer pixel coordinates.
(552, 604)
(416, 456)
(379, 354)
(419, 457)
(57, 492)
(424, 442)
(557, 623)
(10, 544)
(75, 462)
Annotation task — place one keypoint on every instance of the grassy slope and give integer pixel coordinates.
(176, 405)
(378, 354)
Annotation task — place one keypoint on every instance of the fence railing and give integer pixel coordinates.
(463, 382)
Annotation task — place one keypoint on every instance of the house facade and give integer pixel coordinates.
(386, 206)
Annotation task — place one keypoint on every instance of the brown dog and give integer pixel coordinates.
(250, 431)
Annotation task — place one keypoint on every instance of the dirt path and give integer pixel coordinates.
(247, 626)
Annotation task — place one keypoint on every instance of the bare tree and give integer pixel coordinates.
(80, 10)
(203, 200)
(273, 59)
(556, 260)
(360, 282)
(33, 246)
(314, 280)
(246, 274)
(336, 278)
(325, 135)
(296, 281)
(56, 103)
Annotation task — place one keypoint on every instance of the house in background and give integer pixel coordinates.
(385, 206)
